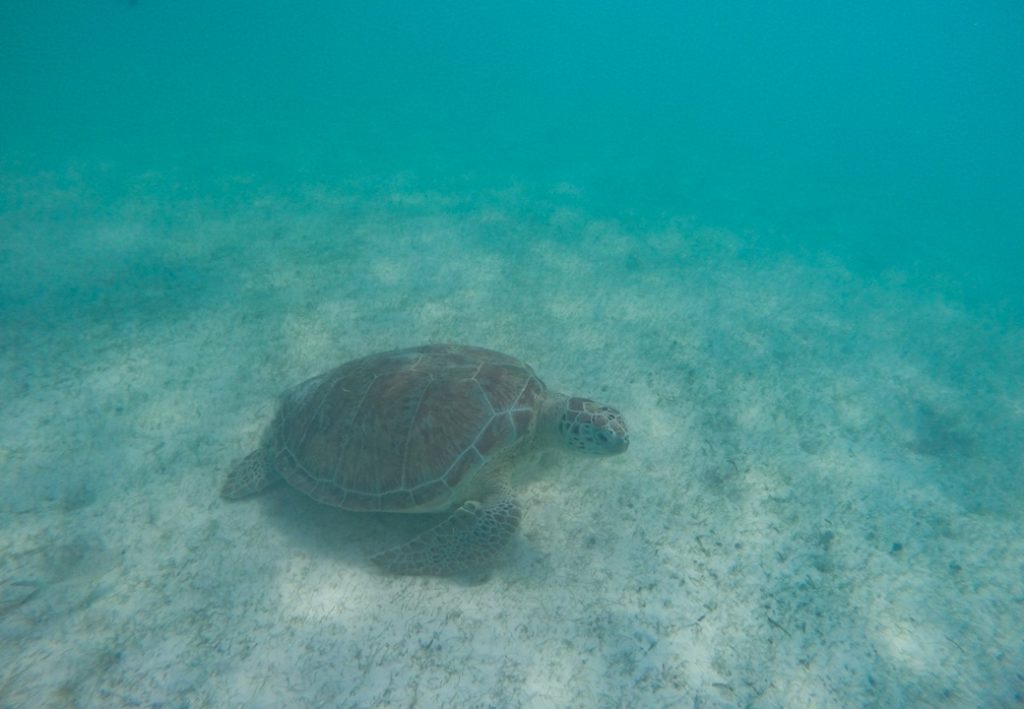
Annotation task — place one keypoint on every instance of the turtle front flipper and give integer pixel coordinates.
(249, 476)
(469, 538)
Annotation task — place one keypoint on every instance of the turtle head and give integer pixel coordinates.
(587, 426)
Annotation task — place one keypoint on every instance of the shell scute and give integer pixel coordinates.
(498, 434)
(403, 430)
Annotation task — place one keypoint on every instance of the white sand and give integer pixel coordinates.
(821, 506)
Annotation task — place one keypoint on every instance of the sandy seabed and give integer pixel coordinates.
(821, 505)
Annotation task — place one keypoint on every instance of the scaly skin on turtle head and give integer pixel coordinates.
(583, 425)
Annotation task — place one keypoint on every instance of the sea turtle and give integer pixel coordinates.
(425, 429)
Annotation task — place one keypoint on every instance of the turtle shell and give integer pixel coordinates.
(409, 430)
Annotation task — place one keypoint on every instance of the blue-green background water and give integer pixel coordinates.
(785, 239)
(891, 133)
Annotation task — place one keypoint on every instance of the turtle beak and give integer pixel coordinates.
(614, 436)
(618, 443)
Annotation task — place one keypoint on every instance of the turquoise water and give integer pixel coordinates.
(785, 240)
(891, 132)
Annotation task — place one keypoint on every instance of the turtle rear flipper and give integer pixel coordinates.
(469, 538)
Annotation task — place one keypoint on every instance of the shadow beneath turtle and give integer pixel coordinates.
(352, 538)
(938, 433)
(345, 536)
